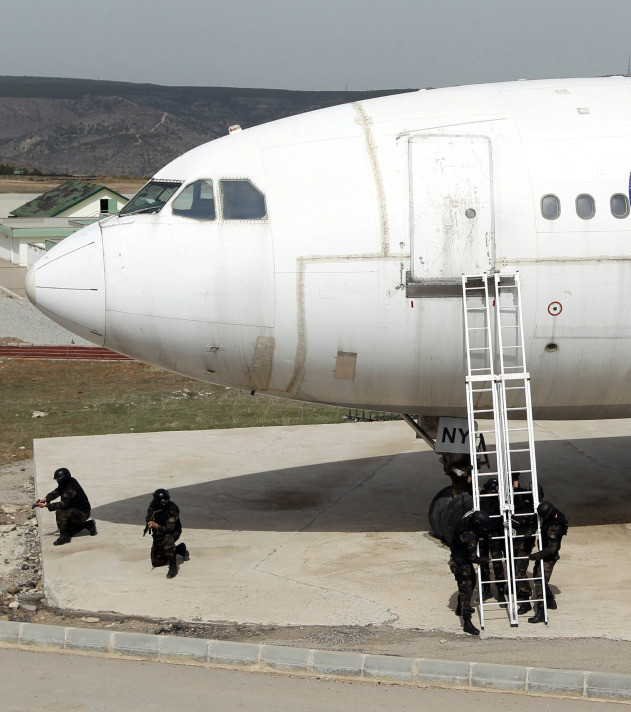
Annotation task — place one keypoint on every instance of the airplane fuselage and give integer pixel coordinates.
(328, 266)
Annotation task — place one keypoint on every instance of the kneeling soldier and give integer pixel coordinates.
(163, 520)
(73, 509)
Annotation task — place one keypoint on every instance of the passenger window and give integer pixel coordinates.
(550, 207)
(619, 205)
(196, 201)
(241, 200)
(585, 206)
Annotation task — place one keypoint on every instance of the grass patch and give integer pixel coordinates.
(96, 398)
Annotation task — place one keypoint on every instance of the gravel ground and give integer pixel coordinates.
(20, 321)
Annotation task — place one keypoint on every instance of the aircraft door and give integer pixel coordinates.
(451, 207)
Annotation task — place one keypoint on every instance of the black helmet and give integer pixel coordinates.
(481, 520)
(490, 486)
(62, 474)
(161, 495)
(546, 510)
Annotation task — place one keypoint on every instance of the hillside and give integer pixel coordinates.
(78, 126)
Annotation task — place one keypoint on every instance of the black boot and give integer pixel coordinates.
(538, 617)
(468, 626)
(64, 538)
(172, 573)
(183, 551)
(500, 595)
(524, 607)
(90, 525)
(486, 591)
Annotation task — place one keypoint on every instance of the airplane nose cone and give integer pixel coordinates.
(29, 286)
(68, 284)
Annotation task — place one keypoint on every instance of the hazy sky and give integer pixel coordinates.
(315, 44)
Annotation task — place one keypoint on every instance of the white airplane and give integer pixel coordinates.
(319, 257)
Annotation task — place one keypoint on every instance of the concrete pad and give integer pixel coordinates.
(324, 525)
(12, 278)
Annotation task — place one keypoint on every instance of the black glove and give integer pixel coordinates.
(535, 557)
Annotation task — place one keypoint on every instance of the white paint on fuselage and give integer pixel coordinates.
(268, 304)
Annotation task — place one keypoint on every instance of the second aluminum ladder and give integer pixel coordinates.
(498, 392)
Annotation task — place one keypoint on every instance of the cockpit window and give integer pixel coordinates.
(242, 200)
(151, 197)
(196, 201)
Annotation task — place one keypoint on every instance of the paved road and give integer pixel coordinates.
(56, 682)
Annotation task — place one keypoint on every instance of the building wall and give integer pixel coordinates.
(91, 208)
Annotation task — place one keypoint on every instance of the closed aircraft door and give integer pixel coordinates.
(451, 206)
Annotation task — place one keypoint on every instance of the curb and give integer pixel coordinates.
(386, 668)
(12, 294)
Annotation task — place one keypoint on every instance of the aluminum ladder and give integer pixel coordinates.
(498, 390)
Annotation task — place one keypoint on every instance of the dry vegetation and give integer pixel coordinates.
(93, 398)
(34, 184)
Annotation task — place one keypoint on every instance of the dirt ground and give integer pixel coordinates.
(40, 184)
(22, 598)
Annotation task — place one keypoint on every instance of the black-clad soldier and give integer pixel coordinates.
(492, 545)
(553, 529)
(163, 520)
(525, 525)
(464, 553)
(72, 510)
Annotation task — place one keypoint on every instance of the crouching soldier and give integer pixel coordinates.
(464, 553)
(163, 521)
(553, 529)
(72, 510)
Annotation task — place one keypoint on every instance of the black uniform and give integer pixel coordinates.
(464, 545)
(73, 509)
(553, 529)
(168, 531)
(491, 546)
(525, 525)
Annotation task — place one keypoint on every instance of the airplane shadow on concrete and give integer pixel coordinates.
(386, 493)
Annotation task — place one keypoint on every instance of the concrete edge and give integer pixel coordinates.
(261, 656)
(6, 290)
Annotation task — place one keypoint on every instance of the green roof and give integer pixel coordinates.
(59, 199)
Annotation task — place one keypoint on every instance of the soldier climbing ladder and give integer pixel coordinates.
(498, 392)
